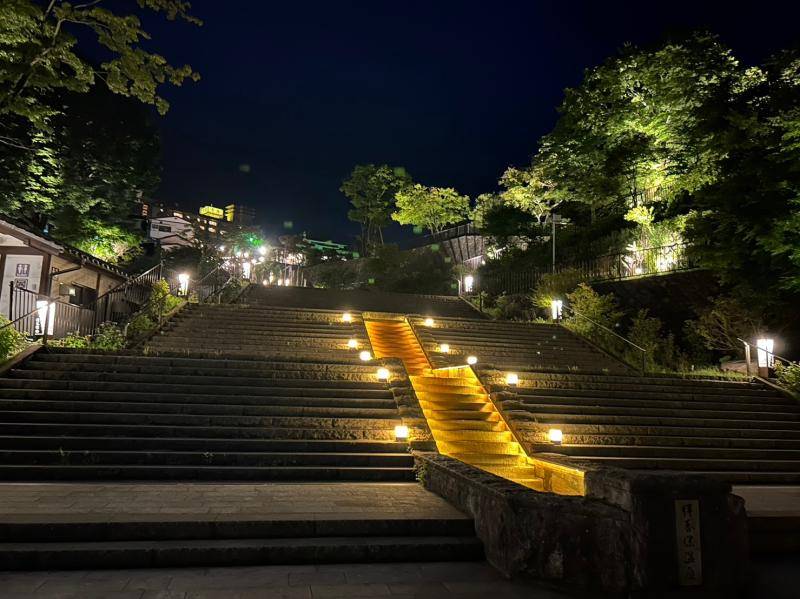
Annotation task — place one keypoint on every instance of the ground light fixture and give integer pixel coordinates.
(555, 436)
(383, 374)
(401, 432)
(352, 343)
(512, 379)
(429, 322)
(556, 308)
(472, 360)
(45, 311)
(347, 317)
(766, 359)
(469, 283)
(444, 348)
(365, 356)
(183, 281)
(265, 282)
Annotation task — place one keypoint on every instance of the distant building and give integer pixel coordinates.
(240, 215)
(172, 227)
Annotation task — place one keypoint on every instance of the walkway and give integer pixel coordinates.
(445, 580)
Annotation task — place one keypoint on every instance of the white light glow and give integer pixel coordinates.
(472, 360)
(429, 322)
(383, 374)
(183, 280)
(352, 344)
(469, 283)
(365, 356)
(43, 310)
(347, 317)
(401, 432)
(444, 348)
(556, 308)
(262, 250)
(555, 436)
(512, 379)
(765, 357)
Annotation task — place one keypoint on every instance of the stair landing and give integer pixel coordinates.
(462, 418)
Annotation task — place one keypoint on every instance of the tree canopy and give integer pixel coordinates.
(371, 190)
(431, 207)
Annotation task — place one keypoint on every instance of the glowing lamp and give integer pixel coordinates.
(265, 282)
(766, 359)
(401, 432)
(365, 356)
(469, 283)
(471, 360)
(352, 343)
(262, 250)
(183, 280)
(347, 317)
(555, 436)
(383, 374)
(444, 348)
(512, 379)
(222, 248)
(43, 310)
(556, 307)
(429, 322)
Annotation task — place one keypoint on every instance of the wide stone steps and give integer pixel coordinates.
(668, 431)
(227, 472)
(705, 464)
(487, 449)
(670, 420)
(654, 395)
(99, 457)
(661, 451)
(287, 429)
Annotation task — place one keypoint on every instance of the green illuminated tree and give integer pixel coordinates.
(40, 54)
(371, 190)
(430, 207)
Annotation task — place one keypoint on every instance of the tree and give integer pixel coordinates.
(430, 207)
(371, 190)
(39, 55)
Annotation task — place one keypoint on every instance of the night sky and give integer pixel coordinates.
(453, 91)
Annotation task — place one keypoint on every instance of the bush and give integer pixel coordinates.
(554, 286)
(788, 375)
(108, 337)
(11, 341)
(140, 325)
(645, 331)
(601, 309)
(727, 318)
(513, 307)
(161, 301)
(73, 340)
(418, 271)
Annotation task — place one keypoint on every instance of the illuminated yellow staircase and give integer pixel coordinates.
(464, 422)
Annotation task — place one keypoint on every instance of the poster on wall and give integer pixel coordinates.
(24, 271)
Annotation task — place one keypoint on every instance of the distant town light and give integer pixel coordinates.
(444, 348)
(222, 248)
(512, 378)
(347, 317)
(556, 308)
(401, 432)
(265, 282)
(383, 374)
(471, 360)
(352, 343)
(555, 436)
(429, 322)
(262, 250)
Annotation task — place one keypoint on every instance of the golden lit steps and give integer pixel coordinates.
(463, 420)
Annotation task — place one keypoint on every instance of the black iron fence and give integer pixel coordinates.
(37, 315)
(209, 287)
(632, 263)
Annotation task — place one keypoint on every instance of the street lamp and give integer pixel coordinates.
(766, 359)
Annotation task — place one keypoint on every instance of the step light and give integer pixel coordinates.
(444, 348)
(383, 374)
(365, 356)
(429, 322)
(401, 432)
(555, 436)
(183, 284)
(556, 308)
(352, 344)
(472, 360)
(512, 379)
(347, 317)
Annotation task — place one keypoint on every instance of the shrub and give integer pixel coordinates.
(788, 375)
(108, 337)
(727, 318)
(11, 341)
(601, 309)
(73, 340)
(513, 307)
(645, 331)
(554, 286)
(161, 300)
(140, 325)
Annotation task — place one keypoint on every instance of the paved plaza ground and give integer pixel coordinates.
(364, 581)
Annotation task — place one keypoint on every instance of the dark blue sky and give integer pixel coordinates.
(454, 91)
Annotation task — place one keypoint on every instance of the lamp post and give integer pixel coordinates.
(766, 359)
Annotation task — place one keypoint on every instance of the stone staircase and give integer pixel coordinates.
(81, 416)
(511, 345)
(460, 415)
(257, 330)
(738, 431)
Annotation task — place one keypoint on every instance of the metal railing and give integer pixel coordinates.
(770, 357)
(642, 359)
(123, 301)
(642, 262)
(37, 315)
(209, 288)
(443, 235)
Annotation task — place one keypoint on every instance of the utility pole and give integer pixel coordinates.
(553, 219)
